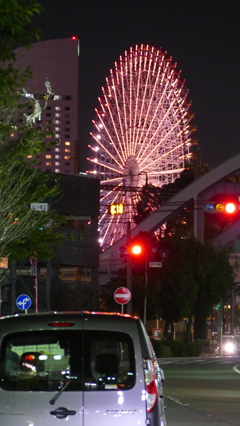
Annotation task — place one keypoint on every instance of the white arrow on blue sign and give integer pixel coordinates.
(23, 302)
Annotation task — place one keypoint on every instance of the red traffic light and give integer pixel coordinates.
(230, 208)
(134, 249)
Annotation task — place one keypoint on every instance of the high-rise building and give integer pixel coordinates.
(53, 93)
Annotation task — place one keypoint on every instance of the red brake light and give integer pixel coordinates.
(61, 324)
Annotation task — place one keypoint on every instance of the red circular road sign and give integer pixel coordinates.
(122, 295)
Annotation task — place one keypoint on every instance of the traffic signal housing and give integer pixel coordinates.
(133, 248)
(227, 207)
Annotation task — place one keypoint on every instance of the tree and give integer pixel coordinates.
(215, 277)
(20, 144)
(178, 285)
(195, 276)
(15, 30)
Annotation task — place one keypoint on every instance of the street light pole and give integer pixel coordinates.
(143, 172)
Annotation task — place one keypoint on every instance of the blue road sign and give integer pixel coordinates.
(23, 302)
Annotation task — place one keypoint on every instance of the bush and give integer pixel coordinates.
(193, 349)
(177, 348)
(161, 349)
(158, 347)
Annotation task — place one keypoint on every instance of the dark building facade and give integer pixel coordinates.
(69, 281)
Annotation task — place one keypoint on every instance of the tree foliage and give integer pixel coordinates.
(15, 31)
(194, 277)
(20, 145)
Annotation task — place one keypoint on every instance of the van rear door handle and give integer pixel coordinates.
(62, 412)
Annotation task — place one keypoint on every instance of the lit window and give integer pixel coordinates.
(57, 129)
(57, 149)
(57, 114)
(48, 156)
(57, 98)
(48, 163)
(57, 163)
(66, 157)
(57, 135)
(29, 156)
(57, 121)
(67, 150)
(76, 273)
(67, 143)
(57, 156)
(57, 170)
(57, 108)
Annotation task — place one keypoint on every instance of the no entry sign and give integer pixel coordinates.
(122, 295)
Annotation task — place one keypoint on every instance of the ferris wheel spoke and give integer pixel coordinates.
(162, 109)
(116, 136)
(165, 137)
(164, 155)
(120, 116)
(107, 151)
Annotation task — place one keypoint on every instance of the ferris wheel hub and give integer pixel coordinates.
(131, 172)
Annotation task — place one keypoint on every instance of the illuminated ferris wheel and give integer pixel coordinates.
(141, 133)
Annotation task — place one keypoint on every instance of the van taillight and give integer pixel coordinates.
(150, 384)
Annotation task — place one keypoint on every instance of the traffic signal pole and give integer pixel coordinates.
(146, 287)
(129, 270)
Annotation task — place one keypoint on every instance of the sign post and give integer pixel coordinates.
(122, 296)
(23, 302)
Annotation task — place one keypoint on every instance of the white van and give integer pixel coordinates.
(89, 369)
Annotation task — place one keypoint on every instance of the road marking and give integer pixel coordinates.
(176, 400)
(236, 369)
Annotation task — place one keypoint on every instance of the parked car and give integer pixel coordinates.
(91, 369)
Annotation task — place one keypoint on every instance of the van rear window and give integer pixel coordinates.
(70, 359)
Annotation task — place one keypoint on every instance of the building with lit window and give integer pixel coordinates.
(53, 89)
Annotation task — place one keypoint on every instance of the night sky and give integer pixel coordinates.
(202, 36)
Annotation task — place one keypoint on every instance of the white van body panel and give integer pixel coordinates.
(112, 406)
